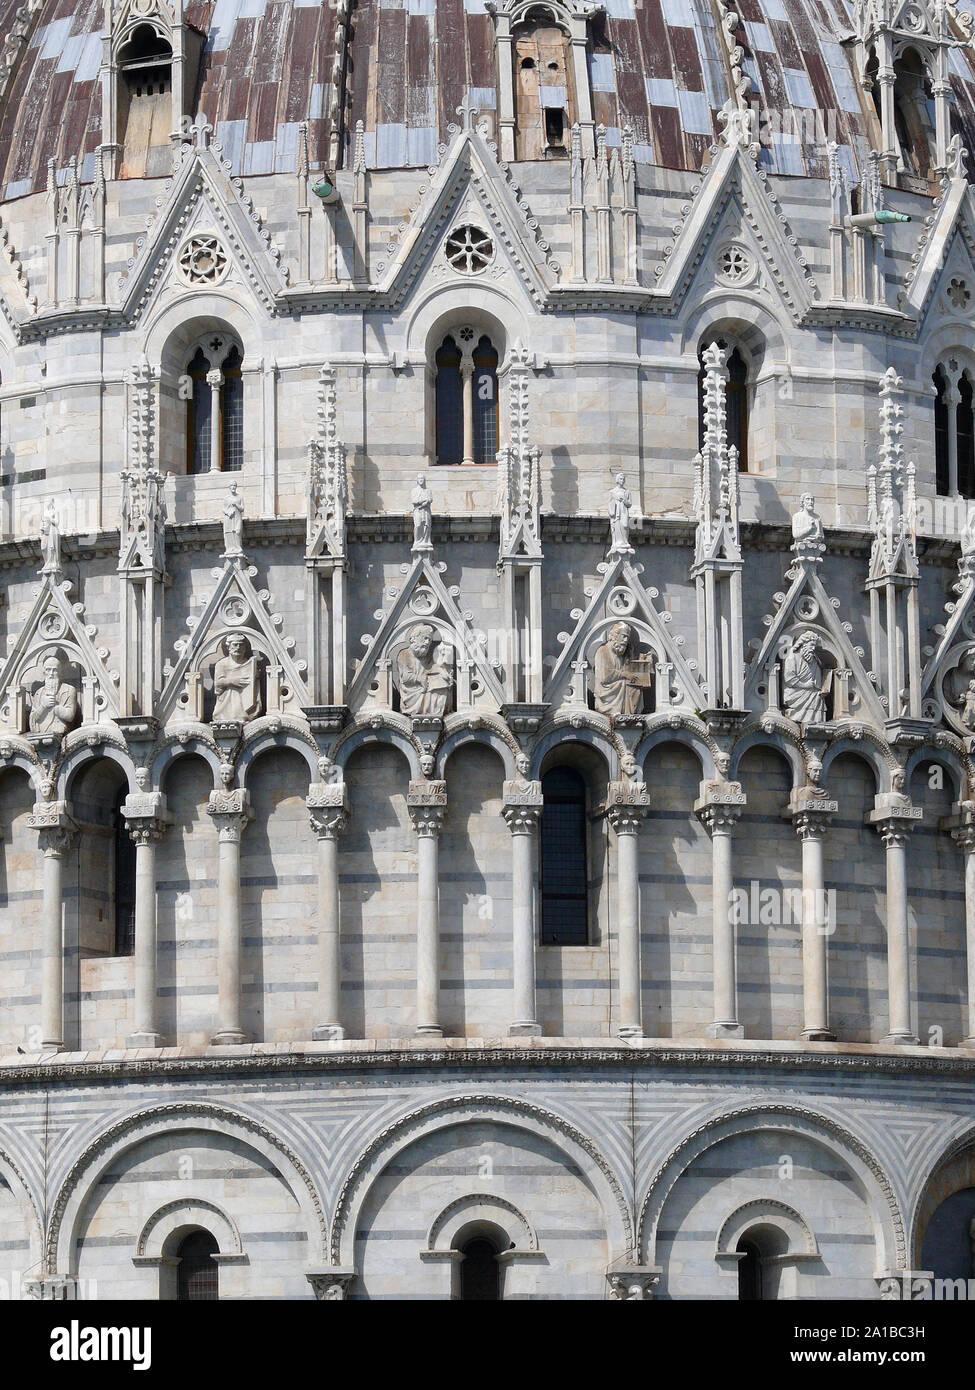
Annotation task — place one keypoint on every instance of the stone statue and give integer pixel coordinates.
(233, 522)
(968, 706)
(807, 524)
(424, 682)
(804, 683)
(968, 534)
(617, 688)
(54, 704)
(421, 500)
(236, 682)
(50, 539)
(620, 503)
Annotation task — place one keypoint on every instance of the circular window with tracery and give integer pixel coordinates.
(735, 265)
(959, 295)
(469, 249)
(203, 261)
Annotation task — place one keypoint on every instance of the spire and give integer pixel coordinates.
(328, 489)
(518, 468)
(891, 486)
(716, 489)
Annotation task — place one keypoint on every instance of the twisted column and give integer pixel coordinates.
(230, 812)
(629, 804)
(719, 809)
(328, 811)
(894, 818)
(56, 830)
(146, 820)
(811, 813)
(522, 810)
(427, 804)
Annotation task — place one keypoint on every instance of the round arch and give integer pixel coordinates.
(762, 334)
(485, 737)
(946, 758)
(384, 733)
(177, 325)
(178, 1116)
(273, 737)
(167, 1220)
(565, 736)
(960, 1148)
(687, 736)
(452, 306)
(877, 757)
(196, 745)
(463, 1109)
(779, 742)
(82, 758)
(885, 1212)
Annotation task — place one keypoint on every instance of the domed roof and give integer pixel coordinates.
(659, 66)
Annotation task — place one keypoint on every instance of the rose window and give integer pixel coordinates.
(734, 264)
(959, 294)
(203, 261)
(468, 249)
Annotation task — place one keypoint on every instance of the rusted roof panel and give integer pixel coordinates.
(659, 66)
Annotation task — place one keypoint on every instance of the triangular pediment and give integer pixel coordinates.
(56, 626)
(735, 205)
(947, 253)
(234, 608)
(807, 607)
(470, 681)
(621, 597)
(469, 186)
(202, 199)
(950, 659)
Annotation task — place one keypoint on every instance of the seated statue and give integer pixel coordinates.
(54, 704)
(423, 682)
(617, 687)
(236, 682)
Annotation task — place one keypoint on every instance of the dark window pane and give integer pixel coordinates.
(198, 409)
(480, 1279)
(966, 439)
(450, 404)
(941, 433)
(232, 412)
(196, 1275)
(485, 402)
(738, 408)
(124, 884)
(564, 832)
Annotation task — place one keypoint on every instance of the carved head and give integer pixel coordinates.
(421, 480)
(806, 644)
(427, 763)
(620, 638)
(53, 669)
(422, 640)
(807, 502)
(236, 646)
(523, 764)
(620, 479)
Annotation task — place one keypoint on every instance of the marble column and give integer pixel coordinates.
(963, 834)
(719, 808)
(328, 810)
(522, 811)
(893, 817)
(628, 805)
(230, 812)
(146, 820)
(427, 804)
(56, 831)
(810, 811)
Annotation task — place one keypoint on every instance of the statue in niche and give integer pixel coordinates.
(50, 539)
(54, 703)
(958, 686)
(424, 678)
(236, 682)
(620, 503)
(421, 500)
(620, 677)
(805, 684)
(233, 523)
(807, 524)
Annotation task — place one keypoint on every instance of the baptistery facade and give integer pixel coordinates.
(488, 665)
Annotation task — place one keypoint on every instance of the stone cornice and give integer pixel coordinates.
(529, 1054)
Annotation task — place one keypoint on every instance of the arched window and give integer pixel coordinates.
(564, 859)
(736, 401)
(124, 882)
(762, 1249)
(145, 114)
(450, 403)
(466, 398)
(954, 432)
(749, 1272)
(544, 97)
(480, 1273)
(196, 1273)
(215, 407)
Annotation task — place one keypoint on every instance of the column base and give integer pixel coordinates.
(901, 1040)
(328, 1032)
(630, 1031)
(726, 1030)
(818, 1035)
(52, 1045)
(967, 1042)
(229, 1037)
(527, 1028)
(144, 1040)
(428, 1030)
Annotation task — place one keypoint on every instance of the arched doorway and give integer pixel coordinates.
(196, 1271)
(761, 1249)
(480, 1273)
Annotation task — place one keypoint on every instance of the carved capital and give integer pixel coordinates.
(330, 1285)
(230, 812)
(521, 819)
(634, 1285)
(54, 826)
(146, 817)
(328, 808)
(627, 804)
(893, 817)
(720, 806)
